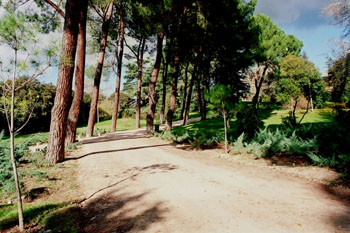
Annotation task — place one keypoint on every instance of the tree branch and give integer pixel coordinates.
(56, 7)
(136, 55)
(33, 77)
(30, 116)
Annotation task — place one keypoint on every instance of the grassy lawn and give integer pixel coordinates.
(103, 126)
(270, 116)
(50, 216)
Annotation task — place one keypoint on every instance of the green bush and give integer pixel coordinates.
(248, 122)
(267, 143)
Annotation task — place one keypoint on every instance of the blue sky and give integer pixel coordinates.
(306, 21)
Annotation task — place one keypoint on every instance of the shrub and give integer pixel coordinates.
(248, 122)
(267, 143)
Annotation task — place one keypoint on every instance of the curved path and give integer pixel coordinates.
(132, 183)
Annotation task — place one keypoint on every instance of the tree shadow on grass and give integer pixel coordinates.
(342, 195)
(30, 214)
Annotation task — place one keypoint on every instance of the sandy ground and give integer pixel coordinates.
(132, 183)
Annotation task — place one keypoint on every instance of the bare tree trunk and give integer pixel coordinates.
(258, 85)
(98, 73)
(170, 114)
(119, 71)
(59, 113)
(139, 82)
(200, 99)
(185, 93)
(189, 96)
(12, 149)
(165, 75)
(79, 78)
(152, 86)
(225, 125)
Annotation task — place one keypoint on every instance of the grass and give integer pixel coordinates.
(50, 217)
(104, 126)
(317, 116)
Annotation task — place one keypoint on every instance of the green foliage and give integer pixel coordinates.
(21, 151)
(248, 121)
(267, 143)
(48, 217)
(339, 79)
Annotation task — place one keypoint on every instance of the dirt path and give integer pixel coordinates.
(132, 183)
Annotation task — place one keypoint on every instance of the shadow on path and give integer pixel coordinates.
(117, 150)
(343, 196)
(122, 211)
(117, 136)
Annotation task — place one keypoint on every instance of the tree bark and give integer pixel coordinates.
(258, 85)
(200, 98)
(189, 95)
(185, 93)
(59, 113)
(225, 125)
(119, 71)
(165, 75)
(98, 73)
(12, 149)
(152, 86)
(79, 78)
(139, 81)
(170, 114)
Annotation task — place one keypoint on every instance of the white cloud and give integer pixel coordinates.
(289, 11)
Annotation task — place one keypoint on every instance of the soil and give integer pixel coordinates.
(131, 182)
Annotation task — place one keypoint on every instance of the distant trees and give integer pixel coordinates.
(298, 77)
(274, 44)
(339, 79)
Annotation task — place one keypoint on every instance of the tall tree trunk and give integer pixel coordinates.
(98, 73)
(206, 82)
(12, 149)
(79, 78)
(189, 95)
(59, 113)
(225, 126)
(119, 71)
(139, 81)
(185, 92)
(258, 85)
(152, 85)
(170, 114)
(165, 76)
(200, 98)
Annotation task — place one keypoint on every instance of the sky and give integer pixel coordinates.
(305, 20)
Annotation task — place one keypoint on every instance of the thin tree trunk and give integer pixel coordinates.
(119, 71)
(165, 75)
(226, 149)
(152, 85)
(170, 114)
(258, 85)
(79, 78)
(206, 83)
(189, 96)
(98, 73)
(185, 93)
(139, 82)
(59, 113)
(12, 149)
(200, 98)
